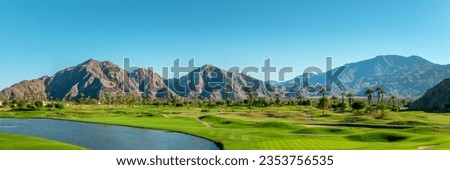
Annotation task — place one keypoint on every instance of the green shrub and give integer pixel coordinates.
(22, 104)
(306, 103)
(379, 115)
(371, 109)
(49, 106)
(39, 104)
(145, 114)
(382, 106)
(6, 103)
(359, 105)
(342, 106)
(60, 105)
(395, 108)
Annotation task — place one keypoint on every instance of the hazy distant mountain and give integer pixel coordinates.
(436, 98)
(214, 83)
(398, 75)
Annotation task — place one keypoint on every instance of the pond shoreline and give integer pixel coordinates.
(219, 145)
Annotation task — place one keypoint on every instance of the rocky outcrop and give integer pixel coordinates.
(214, 83)
(28, 89)
(436, 98)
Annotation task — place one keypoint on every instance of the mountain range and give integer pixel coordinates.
(436, 98)
(398, 75)
(94, 78)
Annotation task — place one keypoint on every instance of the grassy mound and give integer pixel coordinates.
(322, 130)
(224, 122)
(379, 136)
(423, 139)
(353, 119)
(278, 115)
(412, 122)
(280, 125)
(423, 130)
(376, 126)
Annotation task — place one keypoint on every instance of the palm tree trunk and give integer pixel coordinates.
(378, 101)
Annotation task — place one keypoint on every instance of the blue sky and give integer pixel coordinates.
(40, 37)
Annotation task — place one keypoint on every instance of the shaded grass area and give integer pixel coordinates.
(411, 122)
(21, 142)
(271, 127)
(379, 136)
(324, 130)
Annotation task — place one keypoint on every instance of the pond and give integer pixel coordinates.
(105, 137)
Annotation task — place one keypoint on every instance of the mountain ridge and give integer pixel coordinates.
(435, 98)
(392, 72)
(398, 75)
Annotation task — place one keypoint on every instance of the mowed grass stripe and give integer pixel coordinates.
(323, 143)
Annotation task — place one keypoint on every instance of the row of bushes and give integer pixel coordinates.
(24, 104)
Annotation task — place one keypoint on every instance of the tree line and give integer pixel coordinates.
(342, 103)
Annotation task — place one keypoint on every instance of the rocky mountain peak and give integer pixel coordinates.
(436, 98)
(398, 75)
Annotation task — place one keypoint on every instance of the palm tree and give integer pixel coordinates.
(227, 90)
(249, 91)
(343, 97)
(393, 101)
(380, 92)
(323, 91)
(300, 99)
(279, 99)
(350, 98)
(334, 99)
(108, 98)
(369, 93)
(193, 97)
(101, 99)
(81, 99)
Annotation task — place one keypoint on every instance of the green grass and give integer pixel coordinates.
(21, 142)
(271, 127)
(379, 136)
(324, 130)
(411, 122)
